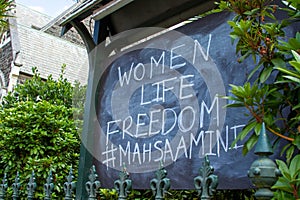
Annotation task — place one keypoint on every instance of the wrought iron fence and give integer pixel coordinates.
(206, 184)
(263, 173)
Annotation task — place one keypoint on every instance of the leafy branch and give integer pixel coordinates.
(273, 97)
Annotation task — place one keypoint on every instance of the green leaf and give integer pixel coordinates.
(238, 91)
(289, 72)
(295, 166)
(296, 55)
(295, 44)
(296, 65)
(265, 74)
(278, 62)
(293, 79)
(252, 12)
(257, 128)
(231, 23)
(235, 105)
(270, 15)
(289, 153)
(243, 57)
(283, 184)
(285, 148)
(296, 142)
(249, 144)
(284, 169)
(249, 127)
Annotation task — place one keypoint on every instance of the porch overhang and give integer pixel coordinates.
(116, 16)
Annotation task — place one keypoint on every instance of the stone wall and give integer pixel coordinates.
(6, 58)
(71, 35)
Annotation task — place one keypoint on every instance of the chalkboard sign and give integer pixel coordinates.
(160, 101)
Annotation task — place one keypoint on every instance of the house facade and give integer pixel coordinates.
(33, 40)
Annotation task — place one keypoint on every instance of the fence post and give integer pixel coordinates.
(16, 186)
(69, 186)
(160, 184)
(93, 184)
(31, 185)
(263, 172)
(48, 187)
(206, 183)
(123, 185)
(3, 187)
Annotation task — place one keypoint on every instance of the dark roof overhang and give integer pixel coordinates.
(117, 16)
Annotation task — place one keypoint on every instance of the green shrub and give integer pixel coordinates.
(38, 132)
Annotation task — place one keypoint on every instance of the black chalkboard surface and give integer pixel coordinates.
(159, 102)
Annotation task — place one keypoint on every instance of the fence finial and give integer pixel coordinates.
(3, 187)
(93, 184)
(263, 172)
(48, 187)
(69, 186)
(16, 186)
(161, 184)
(123, 185)
(206, 183)
(31, 186)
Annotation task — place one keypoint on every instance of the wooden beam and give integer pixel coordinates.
(110, 8)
